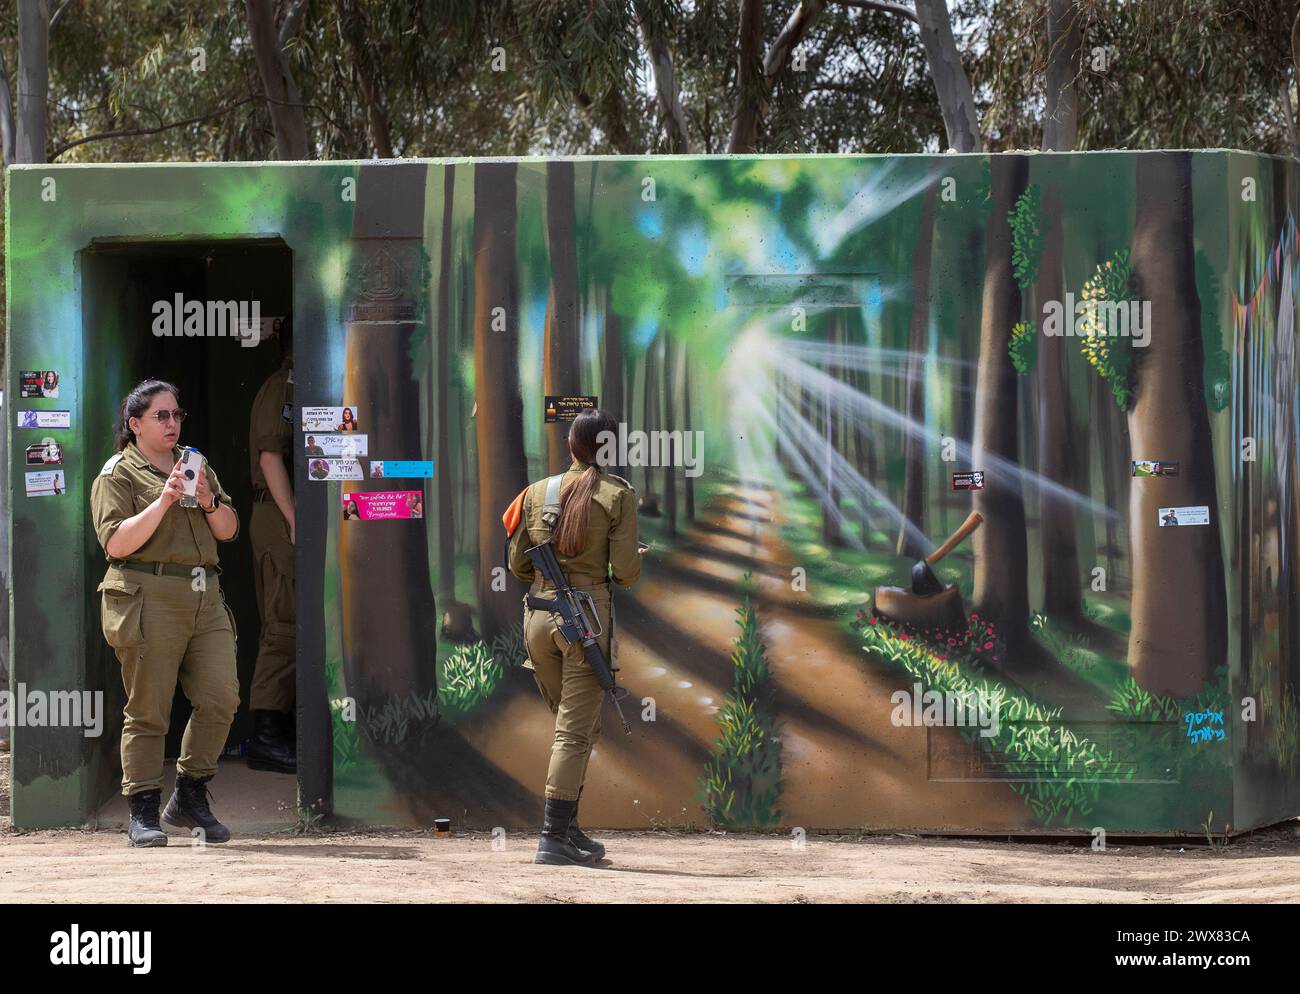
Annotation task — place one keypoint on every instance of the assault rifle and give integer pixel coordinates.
(570, 608)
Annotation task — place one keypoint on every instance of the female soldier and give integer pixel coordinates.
(163, 611)
(595, 539)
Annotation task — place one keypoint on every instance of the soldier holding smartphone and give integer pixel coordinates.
(163, 611)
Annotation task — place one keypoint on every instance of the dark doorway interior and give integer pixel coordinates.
(218, 379)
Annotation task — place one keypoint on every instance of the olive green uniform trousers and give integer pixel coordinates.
(570, 689)
(163, 630)
(275, 676)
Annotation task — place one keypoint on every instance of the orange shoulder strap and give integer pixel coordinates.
(514, 513)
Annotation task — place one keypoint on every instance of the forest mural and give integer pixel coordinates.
(1073, 375)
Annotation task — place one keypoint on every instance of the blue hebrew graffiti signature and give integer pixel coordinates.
(1200, 726)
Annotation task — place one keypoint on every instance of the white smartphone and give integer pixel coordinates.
(192, 466)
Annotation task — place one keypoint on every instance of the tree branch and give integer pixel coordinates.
(292, 22)
(950, 81)
(6, 115)
(889, 8)
(282, 96)
(55, 16)
(129, 132)
(661, 62)
(750, 80)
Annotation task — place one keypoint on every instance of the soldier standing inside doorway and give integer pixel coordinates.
(270, 445)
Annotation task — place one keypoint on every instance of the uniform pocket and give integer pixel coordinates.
(145, 497)
(551, 702)
(121, 612)
(234, 630)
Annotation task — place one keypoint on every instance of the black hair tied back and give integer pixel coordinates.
(136, 403)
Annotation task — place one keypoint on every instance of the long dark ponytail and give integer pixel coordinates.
(575, 505)
(136, 403)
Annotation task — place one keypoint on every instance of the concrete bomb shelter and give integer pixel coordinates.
(825, 365)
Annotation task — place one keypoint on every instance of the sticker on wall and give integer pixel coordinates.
(560, 409)
(973, 480)
(38, 383)
(336, 445)
(1154, 467)
(268, 328)
(48, 483)
(335, 469)
(329, 419)
(44, 419)
(1171, 516)
(397, 468)
(383, 505)
(46, 452)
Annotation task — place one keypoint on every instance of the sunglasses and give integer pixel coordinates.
(162, 417)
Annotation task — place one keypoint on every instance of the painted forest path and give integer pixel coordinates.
(844, 764)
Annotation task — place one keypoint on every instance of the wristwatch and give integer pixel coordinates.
(216, 503)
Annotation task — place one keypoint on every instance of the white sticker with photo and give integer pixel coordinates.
(44, 419)
(1174, 516)
(335, 445)
(344, 468)
(47, 483)
(330, 419)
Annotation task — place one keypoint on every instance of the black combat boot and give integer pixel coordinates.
(580, 838)
(554, 847)
(188, 808)
(271, 749)
(144, 829)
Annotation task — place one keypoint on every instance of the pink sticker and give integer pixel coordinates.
(383, 505)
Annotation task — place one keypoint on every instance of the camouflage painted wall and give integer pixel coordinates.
(835, 337)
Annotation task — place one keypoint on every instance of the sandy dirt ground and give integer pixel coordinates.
(407, 867)
(92, 867)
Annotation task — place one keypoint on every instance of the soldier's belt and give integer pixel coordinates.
(576, 580)
(166, 569)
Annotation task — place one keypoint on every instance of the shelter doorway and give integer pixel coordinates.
(127, 285)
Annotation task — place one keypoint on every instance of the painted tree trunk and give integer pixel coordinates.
(387, 641)
(1179, 632)
(649, 417)
(1062, 589)
(687, 427)
(913, 506)
(441, 387)
(499, 425)
(831, 532)
(561, 370)
(671, 469)
(1001, 592)
(611, 400)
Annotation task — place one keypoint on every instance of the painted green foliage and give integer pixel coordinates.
(1107, 350)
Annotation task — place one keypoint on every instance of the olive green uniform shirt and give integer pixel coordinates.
(270, 423)
(128, 484)
(611, 532)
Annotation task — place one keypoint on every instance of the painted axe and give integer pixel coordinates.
(924, 582)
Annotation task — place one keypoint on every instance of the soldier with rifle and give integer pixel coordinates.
(570, 536)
